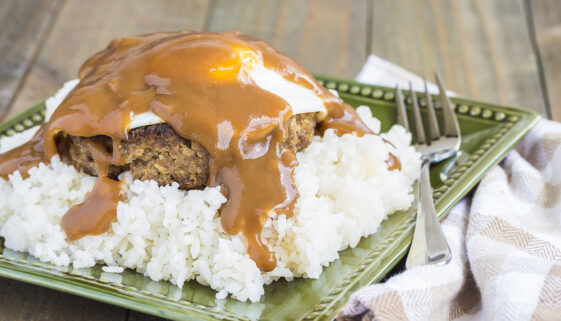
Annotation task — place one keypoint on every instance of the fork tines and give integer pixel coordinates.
(401, 112)
(433, 144)
(418, 121)
(451, 127)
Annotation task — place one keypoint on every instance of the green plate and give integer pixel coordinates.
(488, 132)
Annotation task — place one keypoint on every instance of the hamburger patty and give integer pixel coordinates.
(156, 153)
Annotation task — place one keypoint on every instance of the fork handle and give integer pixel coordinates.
(429, 245)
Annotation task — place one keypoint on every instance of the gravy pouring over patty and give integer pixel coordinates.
(221, 124)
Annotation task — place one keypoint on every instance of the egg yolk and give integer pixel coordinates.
(230, 69)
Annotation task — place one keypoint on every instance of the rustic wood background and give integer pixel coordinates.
(504, 51)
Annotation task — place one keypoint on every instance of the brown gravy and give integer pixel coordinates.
(197, 83)
(24, 157)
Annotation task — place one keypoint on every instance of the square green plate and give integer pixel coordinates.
(488, 132)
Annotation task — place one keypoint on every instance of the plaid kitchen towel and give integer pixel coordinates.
(506, 247)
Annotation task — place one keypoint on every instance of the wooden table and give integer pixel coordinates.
(504, 51)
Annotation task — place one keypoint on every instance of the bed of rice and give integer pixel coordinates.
(169, 234)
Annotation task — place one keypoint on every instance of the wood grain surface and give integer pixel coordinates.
(85, 27)
(326, 36)
(482, 48)
(505, 51)
(23, 25)
(546, 15)
(22, 301)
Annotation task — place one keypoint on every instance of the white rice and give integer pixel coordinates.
(113, 269)
(165, 233)
(10, 142)
(51, 103)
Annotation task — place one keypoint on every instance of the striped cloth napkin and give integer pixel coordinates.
(505, 242)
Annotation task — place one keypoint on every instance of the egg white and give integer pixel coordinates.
(300, 99)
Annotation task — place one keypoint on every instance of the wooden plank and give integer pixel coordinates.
(546, 16)
(138, 316)
(23, 23)
(21, 301)
(85, 27)
(326, 37)
(482, 48)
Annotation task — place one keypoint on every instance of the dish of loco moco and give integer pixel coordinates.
(200, 156)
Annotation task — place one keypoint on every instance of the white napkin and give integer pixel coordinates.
(377, 71)
(506, 242)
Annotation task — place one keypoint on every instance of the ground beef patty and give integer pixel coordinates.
(155, 152)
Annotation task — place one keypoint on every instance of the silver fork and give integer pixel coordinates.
(429, 245)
